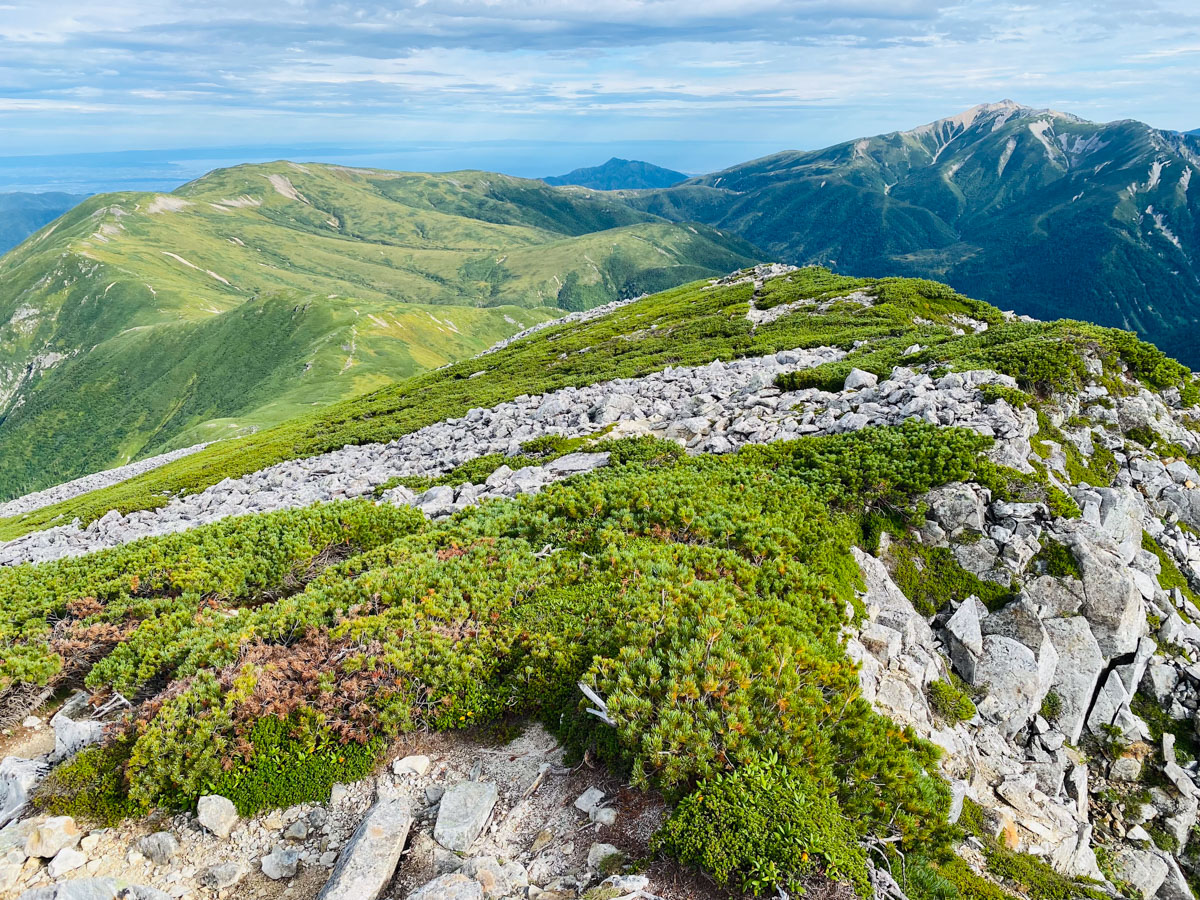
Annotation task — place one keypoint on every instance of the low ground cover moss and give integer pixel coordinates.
(931, 578)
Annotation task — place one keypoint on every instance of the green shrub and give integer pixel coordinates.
(1015, 397)
(704, 599)
(90, 786)
(294, 761)
(645, 451)
(950, 703)
(1051, 706)
(762, 828)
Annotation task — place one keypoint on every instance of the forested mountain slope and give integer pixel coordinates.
(619, 174)
(1029, 209)
(139, 323)
(22, 214)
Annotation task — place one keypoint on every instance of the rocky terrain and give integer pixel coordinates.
(1047, 645)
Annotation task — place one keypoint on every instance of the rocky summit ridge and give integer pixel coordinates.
(980, 534)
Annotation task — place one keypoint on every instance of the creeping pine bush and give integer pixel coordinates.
(950, 702)
(763, 827)
(703, 597)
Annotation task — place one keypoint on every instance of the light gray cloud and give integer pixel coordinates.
(798, 72)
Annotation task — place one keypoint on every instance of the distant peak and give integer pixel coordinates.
(997, 113)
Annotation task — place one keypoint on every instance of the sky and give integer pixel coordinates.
(536, 87)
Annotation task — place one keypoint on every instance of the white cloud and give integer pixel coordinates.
(799, 72)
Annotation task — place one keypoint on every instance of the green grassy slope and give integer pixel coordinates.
(141, 322)
(1029, 209)
(694, 324)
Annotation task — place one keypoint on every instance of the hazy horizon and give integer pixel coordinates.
(540, 88)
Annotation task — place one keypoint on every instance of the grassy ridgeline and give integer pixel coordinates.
(690, 325)
(138, 323)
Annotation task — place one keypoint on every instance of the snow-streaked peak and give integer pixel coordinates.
(997, 113)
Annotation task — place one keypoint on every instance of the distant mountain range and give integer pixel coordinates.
(139, 322)
(23, 214)
(142, 322)
(1029, 209)
(619, 174)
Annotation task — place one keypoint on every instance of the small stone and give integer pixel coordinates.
(158, 847)
(604, 856)
(297, 831)
(52, 836)
(222, 875)
(449, 887)
(328, 859)
(411, 765)
(626, 884)
(280, 864)
(463, 812)
(589, 800)
(31, 722)
(68, 859)
(433, 793)
(603, 815)
(217, 814)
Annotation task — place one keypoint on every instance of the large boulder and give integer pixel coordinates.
(463, 812)
(1080, 663)
(369, 859)
(1016, 680)
(1113, 604)
(1143, 870)
(964, 637)
(1017, 665)
(958, 507)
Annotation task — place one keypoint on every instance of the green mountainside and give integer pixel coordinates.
(139, 323)
(619, 174)
(22, 214)
(1029, 209)
(707, 598)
